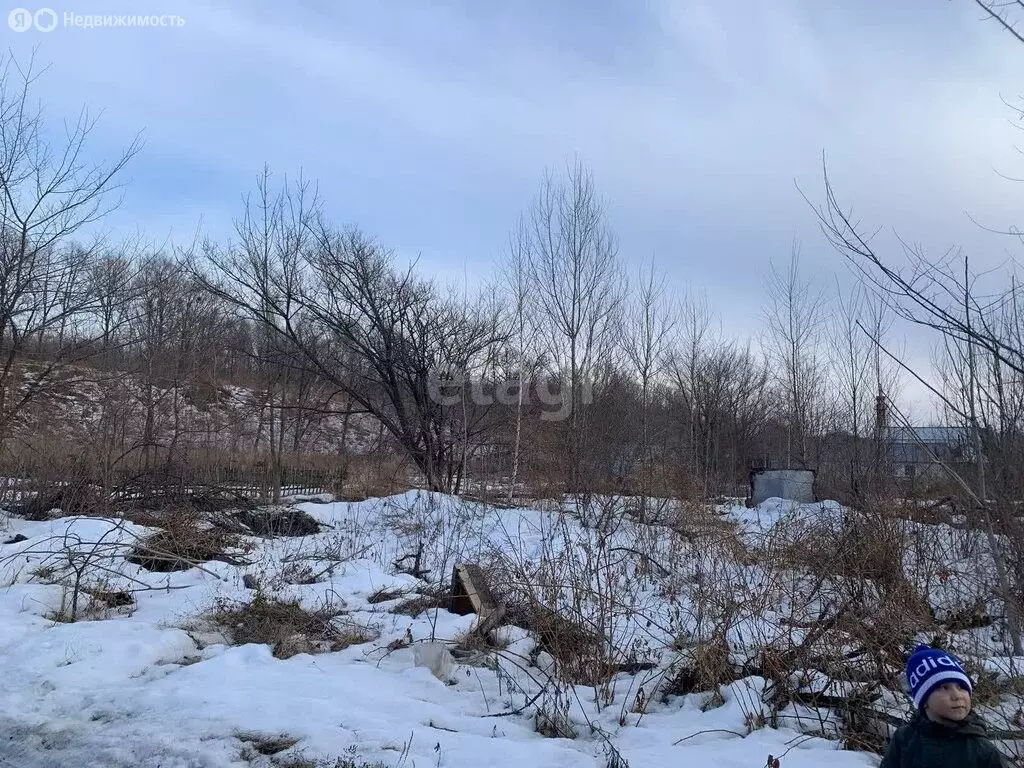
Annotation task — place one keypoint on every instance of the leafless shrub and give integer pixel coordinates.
(85, 602)
(436, 533)
(385, 595)
(285, 521)
(311, 561)
(824, 607)
(164, 490)
(582, 591)
(72, 496)
(419, 604)
(374, 476)
(264, 744)
(551, 718)
(287, 627)
(580, 655)
(302, 574)
(185, 542)
(90, 570)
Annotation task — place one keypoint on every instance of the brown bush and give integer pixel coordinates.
(185, 542)
(384, 595)
(73, 498)
(373, 476)
(279, 522)
(861, 546)
(581, 655)
(287, 627)
(421, 603)
(267, 745)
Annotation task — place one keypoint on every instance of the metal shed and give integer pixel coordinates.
(791, 484)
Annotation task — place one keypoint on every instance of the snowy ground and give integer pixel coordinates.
(154, 685)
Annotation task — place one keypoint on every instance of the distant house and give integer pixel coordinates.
(916, 451)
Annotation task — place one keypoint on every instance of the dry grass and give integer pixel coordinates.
(112, 598)
(384, 595)
(471, 648)
(287, 627)
(185, 541)
(421, 603)
(73, 498)
(267, 745)
(581, 656)
(301, 574)
(298, 761)
(283, 521)
(698, 520)
(94, 604)
(374, 477)
(702, 669)
(861, 547)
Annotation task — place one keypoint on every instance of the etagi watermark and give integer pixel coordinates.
(450, 392)
(47, 20)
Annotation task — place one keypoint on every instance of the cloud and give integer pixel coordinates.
(431, 126)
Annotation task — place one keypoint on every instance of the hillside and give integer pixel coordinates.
(112, 411)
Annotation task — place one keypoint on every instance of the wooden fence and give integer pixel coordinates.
(253, 482)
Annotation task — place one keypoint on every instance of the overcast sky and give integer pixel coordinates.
(430, 124)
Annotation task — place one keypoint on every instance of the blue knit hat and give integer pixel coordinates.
(928, 668)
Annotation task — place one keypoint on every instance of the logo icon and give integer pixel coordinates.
(22, 20)
(45, 19)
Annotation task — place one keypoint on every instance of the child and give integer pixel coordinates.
(945, 732)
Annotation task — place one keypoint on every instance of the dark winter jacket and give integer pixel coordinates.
(924, 744)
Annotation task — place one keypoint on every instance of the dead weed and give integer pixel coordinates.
(287, 627)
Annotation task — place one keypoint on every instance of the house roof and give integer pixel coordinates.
(948, 436)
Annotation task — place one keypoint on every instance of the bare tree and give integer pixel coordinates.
(862, 374)
(1005, 13)
(852, 357)
(393, 343)
(415, 351)
(516, 277)
(795, 318)
(937, 294)
(112, 278)
(577, 288)
(271, 235)
(986, 403)
(687, 363)
(174, 330)
(48, 193)
(649, 324)
(926, 292)
(721, 389)
(981, 337)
